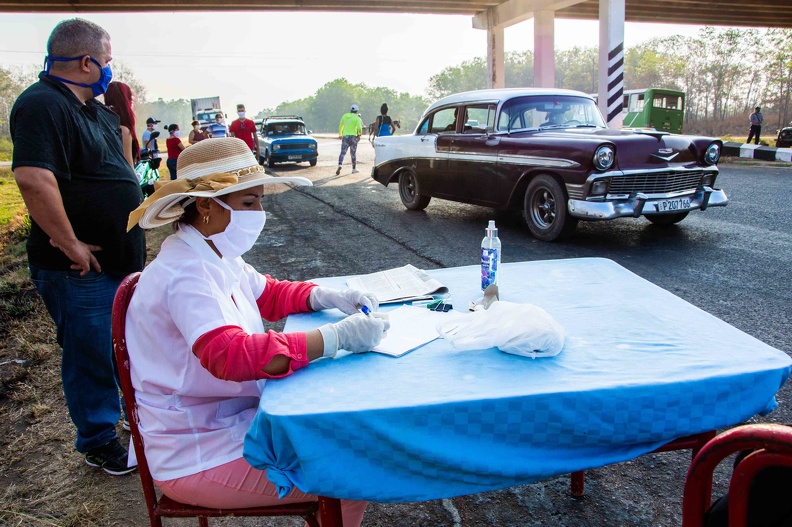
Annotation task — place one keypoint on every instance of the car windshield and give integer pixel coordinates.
(286, 129)
(549, 111)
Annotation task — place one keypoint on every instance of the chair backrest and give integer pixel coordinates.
(772, 446)
(120, 305)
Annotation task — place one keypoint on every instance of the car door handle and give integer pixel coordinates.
(424, 139)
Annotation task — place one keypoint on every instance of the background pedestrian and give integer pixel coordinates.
(217, 128)
(196, 134)
(349, 130)
(245, 129)
(756, 125)
(147, 141)
(175, 147)
(383, 126)
(121, 100)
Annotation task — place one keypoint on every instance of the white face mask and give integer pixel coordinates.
(241, 233)
(241, 115)
(176, 133)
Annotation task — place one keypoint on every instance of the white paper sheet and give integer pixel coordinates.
(410, 328)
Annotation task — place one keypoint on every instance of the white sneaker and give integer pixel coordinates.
(355, 171)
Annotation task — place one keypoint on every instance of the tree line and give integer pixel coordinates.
(724, 72)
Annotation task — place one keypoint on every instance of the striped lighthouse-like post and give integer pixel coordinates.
(611, 62)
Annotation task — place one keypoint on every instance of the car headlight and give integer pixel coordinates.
(604, 157)
(712, 154)
(312, 146)
(276, 147)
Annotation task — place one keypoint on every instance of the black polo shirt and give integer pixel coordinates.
(81, 144)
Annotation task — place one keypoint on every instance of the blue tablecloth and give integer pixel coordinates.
(640, 367)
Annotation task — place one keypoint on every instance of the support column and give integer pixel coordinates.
(495, 60)
(611, 61)
(544, 52)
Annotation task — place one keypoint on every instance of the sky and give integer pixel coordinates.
(264, 58)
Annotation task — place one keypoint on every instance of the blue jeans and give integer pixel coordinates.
(81, 306)
(171, 164)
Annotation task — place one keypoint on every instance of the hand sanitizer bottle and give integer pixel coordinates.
(490, 256)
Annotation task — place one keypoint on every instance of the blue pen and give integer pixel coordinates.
(365, 310)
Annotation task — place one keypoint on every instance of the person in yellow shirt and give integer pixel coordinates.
(349, 130)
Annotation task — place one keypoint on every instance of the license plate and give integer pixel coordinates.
(295, 157)
(672, 205)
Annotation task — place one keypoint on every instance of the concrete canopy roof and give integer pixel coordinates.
(744, 13)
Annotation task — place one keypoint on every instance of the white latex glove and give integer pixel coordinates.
(349, 301)
(357, 333)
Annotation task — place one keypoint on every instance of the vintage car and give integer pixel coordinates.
(784, 137)
(549, 154)
(283, 138)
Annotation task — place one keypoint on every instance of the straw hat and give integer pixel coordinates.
(207, 169)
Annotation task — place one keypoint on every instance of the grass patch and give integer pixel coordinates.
(741, 139)
(12, 208)
(6, 149)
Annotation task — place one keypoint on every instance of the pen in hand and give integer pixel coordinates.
(365, 310)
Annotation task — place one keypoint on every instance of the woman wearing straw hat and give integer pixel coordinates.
(195, 335)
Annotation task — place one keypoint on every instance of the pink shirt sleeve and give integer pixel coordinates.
(230, 354)
(282, 298)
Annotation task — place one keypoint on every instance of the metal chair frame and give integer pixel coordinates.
(772, 447)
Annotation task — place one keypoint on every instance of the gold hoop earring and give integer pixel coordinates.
(206, 219)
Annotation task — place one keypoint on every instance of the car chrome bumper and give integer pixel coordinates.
(640, 204)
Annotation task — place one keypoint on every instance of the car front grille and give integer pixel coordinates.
(655, 183)
(295, 146)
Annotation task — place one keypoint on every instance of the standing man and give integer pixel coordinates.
(79, 189)
(151, 125)
(756, 125)
(217, 128)
(349, 130)
(245, 129)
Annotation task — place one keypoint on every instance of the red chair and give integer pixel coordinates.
(329, 509)
(772, 445)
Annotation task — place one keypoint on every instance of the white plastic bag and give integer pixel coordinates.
(519, 329)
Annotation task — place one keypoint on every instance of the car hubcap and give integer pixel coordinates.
(544, 208)
(410, 187)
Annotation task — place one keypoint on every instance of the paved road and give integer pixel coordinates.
(733, 262)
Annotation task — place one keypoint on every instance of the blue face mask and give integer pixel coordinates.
(98, 87)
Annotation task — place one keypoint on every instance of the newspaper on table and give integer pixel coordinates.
(401, 284)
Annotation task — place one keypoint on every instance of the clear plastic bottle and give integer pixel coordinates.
(490, 256)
